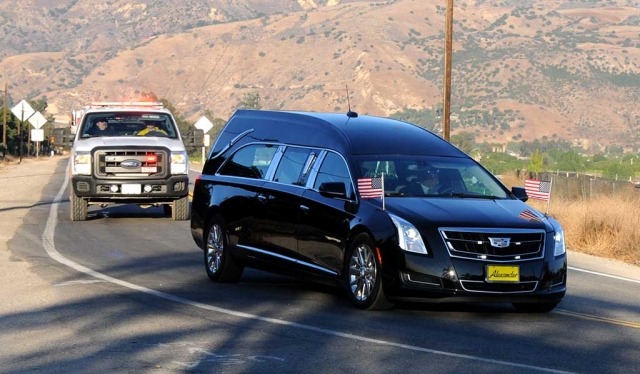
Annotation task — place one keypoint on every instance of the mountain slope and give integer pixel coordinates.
(522, 69)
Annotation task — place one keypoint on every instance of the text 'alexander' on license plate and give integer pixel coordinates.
(502, 273)
(131, 189)
(149, 169)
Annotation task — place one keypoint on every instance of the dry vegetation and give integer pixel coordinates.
(604, 226)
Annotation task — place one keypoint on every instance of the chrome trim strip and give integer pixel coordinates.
(428, 283)
(499, 292)
(485, 230)
(317, 267)
(287, 258)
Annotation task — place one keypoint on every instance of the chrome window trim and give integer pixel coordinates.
(313, 173)
(441, 230)
(274, 163)
(217, 173)
(316, 170)
(315, 167)
(499, 292)
(254, 249)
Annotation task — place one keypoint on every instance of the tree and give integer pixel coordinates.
(250, 101)
(537, 161)
(465, 141)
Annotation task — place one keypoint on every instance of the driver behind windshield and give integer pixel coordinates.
(100, 127)
(422, 182)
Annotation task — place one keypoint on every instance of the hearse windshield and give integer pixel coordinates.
(429, 176)
(128, 124)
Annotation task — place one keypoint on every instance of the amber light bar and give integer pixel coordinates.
(104, 104)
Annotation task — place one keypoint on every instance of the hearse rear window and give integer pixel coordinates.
(250, 162)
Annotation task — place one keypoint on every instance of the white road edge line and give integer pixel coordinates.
(604, 275)
(49, 247)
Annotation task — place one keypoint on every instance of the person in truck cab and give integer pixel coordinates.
(151, 129)
(101, 128)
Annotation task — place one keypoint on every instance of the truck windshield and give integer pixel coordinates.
(114, 124)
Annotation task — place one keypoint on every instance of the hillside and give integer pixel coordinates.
(523, 69)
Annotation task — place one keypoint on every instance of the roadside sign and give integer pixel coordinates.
(37, 120)
(204, 124)
(22, 110)
(37, 135)
(207, 140)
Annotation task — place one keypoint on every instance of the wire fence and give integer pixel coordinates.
(572, 185)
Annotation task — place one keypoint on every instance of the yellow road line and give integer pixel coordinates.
(589, 317)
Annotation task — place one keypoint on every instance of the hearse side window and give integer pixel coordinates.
(291, 165)
(250, 162)
(334, 169)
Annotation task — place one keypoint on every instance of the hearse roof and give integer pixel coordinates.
(351, 135)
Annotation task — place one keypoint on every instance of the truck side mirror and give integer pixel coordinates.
(62, 137)
(193, 139)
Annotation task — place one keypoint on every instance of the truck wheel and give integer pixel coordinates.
(79, 207)
(219, 263)
(180, 209)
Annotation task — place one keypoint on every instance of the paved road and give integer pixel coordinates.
(142, 302)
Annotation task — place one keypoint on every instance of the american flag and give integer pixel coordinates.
(529, 216)
(536, 189)
(370, 188)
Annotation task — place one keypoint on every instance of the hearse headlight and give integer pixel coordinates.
(409, 238)
(559, 247)
(81, 163)
(179, 163)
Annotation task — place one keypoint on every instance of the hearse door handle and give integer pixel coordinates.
(262, 198)
(304, 208)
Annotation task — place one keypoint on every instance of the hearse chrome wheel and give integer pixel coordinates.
(362, 272)
(215, 248)
(364, 275)
(219, 262)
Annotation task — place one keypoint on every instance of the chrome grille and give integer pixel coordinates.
(476, 243)
(131, 163)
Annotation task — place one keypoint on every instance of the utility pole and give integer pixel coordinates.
(446, 102)
(4, 125)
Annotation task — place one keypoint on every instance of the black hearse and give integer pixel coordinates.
(300, 193)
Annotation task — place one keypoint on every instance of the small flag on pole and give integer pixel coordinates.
(536, 189)
(370, 188)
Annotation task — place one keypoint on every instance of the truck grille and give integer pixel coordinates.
(508, 245)
(131, 163)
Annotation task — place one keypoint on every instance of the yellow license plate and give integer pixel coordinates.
(501, 273)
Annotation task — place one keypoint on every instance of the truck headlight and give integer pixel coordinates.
(409, 238)
(558, 240)
(81, 163)
(179, 163)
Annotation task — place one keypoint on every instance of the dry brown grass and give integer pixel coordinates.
(604, 226)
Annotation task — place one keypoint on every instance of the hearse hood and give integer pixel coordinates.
(467, 212)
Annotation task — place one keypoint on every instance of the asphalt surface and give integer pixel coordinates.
(142, 302)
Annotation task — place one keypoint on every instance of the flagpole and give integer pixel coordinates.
(549, 199)
(382, 182)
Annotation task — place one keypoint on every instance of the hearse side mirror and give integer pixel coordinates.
(520, 193)
(62, 137)
(335, 190)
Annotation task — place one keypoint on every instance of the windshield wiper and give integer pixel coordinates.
(394, 194)
(469, 195)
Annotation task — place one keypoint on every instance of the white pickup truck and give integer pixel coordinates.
(128, 153)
